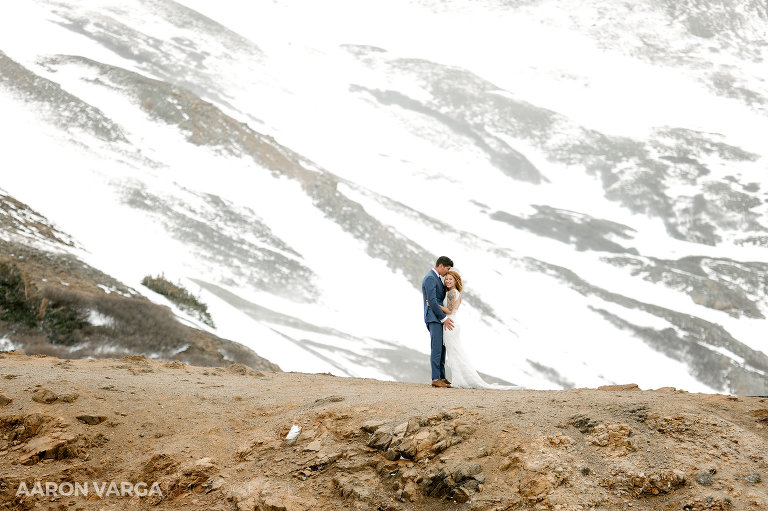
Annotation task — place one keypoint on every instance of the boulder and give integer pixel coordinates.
(372, 425)
(44, 396)
(54, 446)
(380, 439)
(616, 437)
(704, 478)
(69, 398)
(628, 386)
(265, 495)
(91, 420)
(645, 483)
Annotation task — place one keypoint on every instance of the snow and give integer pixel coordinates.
(6, 344)
(300, 94)
(739, 360)
(97, 319)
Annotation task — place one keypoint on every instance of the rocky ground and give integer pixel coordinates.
(215, 438)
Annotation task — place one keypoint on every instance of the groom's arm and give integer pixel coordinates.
(431, 288)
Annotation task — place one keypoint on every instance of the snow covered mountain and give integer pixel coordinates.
(597, 171)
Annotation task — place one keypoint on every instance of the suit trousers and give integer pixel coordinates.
(437, 356)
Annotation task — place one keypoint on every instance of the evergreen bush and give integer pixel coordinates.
(177, 294)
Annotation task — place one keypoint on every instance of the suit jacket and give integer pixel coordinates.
(432, 291)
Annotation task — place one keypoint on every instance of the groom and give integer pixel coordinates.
(433, 294)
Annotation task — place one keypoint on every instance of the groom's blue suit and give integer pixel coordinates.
(433, 292)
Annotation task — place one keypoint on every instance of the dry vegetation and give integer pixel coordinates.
(57, 321)
(53, 304)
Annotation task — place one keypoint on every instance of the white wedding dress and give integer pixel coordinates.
(458, 363)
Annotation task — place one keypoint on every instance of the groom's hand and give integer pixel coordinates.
(448, 323)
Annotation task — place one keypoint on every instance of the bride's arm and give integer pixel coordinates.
(453, 301)
(445, 309)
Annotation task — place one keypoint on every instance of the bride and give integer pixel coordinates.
(463, 374)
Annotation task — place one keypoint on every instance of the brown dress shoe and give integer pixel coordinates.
(446, 381)
(440, 384)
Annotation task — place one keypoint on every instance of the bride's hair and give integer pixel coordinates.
(457, 278)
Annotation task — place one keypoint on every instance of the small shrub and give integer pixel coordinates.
(19, 301)
(180, 296)
(63, 314)
(140, 324)
(59, 315)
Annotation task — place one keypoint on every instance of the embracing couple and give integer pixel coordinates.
(441, 304)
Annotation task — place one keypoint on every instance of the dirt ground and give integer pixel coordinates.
(174, 436)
